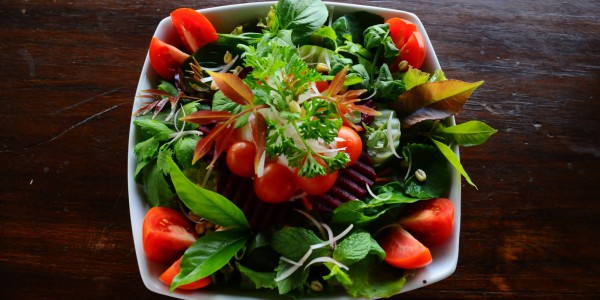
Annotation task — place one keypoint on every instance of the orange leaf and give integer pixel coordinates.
(367, 110)
(222, 142)
(337, 83)
(259, 135)
(433, 101)
(233, 87)
(204, 117)
(204, 144)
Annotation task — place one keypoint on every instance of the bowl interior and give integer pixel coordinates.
(224, 19)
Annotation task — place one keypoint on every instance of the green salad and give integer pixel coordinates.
(303, 153)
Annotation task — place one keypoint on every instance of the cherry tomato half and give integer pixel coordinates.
(316, 185)
(193, 28)
(322, 85)
(430, 221)
(276, 185)
(167, 233)
(165, 59)
(402, 250)
(351, 141)
(409, 40)
(167, 278)
(240, 158)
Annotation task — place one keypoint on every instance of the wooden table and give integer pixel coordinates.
(68, 75)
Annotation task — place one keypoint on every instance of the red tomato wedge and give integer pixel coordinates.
(350, 140)
(167, 278)
(409, 41)
(167, 233)
(276, 185)
(240, 158)
(413, 50)
(430, 221)
(400, 30)
(165, 59)
(402, 250)
(193, 28)
(316, 185)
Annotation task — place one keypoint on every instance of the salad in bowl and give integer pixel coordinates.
(296, 148)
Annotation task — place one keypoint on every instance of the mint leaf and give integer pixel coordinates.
(184, 150)
(222, 103)
(158, 190)
(374, 279)
(256, 280)
(356, 247)
(294, 281)
(153, 128)
(209, 254)
(340, 275)
(294, 242)
(146, 150)
(204, 203)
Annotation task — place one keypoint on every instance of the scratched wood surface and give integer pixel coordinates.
(69, 70)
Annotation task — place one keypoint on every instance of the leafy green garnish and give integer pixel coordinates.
(209, 254)
(471, 133)
(255, 279)
(207, 204)
(356, 247)
(303, 17)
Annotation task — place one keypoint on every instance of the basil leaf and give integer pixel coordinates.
(453, 159)
(428, 159)
(386, 88)
(355, 212)
(204, 203)
(350, 27)
(471, 133)
(303, 17)
(209, 254)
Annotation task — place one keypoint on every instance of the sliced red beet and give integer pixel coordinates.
(351, 184)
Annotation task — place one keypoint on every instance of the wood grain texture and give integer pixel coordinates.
(68, 75)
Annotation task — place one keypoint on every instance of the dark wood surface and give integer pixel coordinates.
(68, 74)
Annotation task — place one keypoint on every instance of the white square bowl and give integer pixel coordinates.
(224, 19)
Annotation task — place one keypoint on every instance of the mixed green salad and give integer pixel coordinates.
(303, 153)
